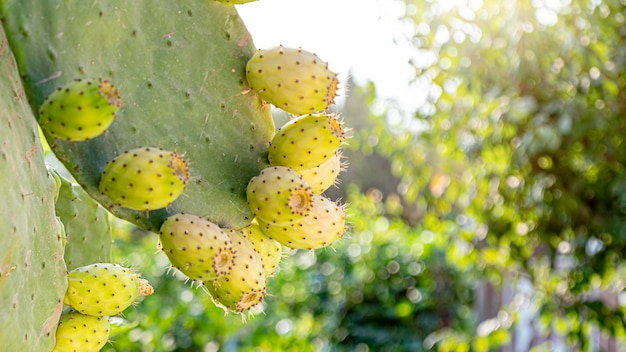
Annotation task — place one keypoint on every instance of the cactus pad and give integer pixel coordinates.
(32, 272)
(180, 68)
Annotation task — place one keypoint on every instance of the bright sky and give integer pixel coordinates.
(362, 38)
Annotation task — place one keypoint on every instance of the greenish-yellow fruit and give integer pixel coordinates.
(306, 141)
(104, 289)
(197, 247)
(145, 178)
(244, 285)
(79, 332)
(279, 195)
(79, 111)
(268, 249)
(294, 80)
(320, 178)
(325, 224)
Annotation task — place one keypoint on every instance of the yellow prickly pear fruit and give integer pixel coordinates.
(197, 247)
(324, 225)
(244, 285)
(279, 195)
(294, 80)
(104, 289)
(145, 178)
(320, 178)
(269, 250)
(306, 141)
(80, 332)
(80, 110)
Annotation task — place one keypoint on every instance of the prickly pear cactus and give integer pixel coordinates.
(87, 226)
(180, 70)
(32, 271)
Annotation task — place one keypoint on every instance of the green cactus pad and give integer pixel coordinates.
(104, 289)
(306, 141)
(79, 111)
(244, 285)
(32, 271)
(197, 247)
(325, 224)
(294, 80)
(87, 226)
(145, 178)
(180, 68)
(80, 332)
(268, 249)
(279, 195)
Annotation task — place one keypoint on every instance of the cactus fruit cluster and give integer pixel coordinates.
(188, 155)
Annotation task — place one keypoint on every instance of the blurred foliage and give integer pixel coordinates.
(510, 174)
